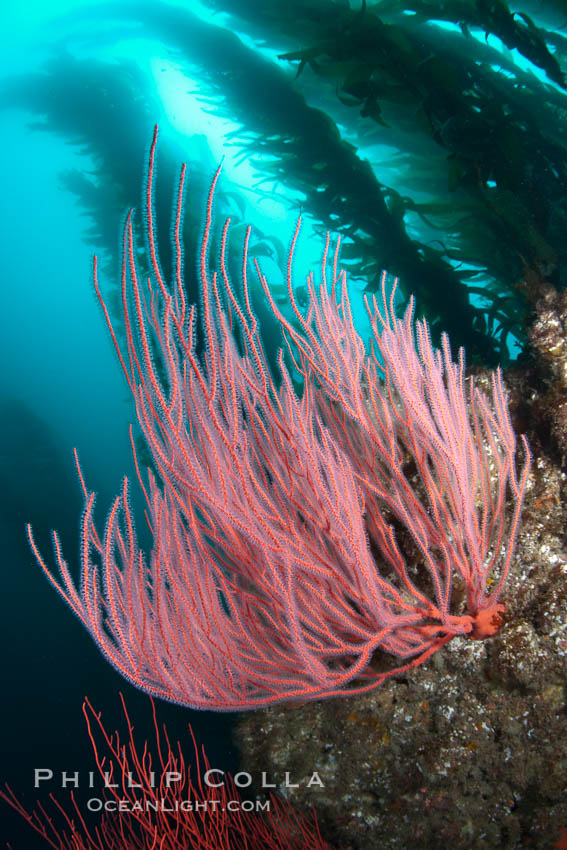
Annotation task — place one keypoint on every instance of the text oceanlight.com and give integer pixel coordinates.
(96, 804)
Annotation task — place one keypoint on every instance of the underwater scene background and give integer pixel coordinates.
(432, 137)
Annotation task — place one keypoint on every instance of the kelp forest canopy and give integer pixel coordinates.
(431, 135)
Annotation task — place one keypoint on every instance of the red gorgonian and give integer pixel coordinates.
(304, 545)
(151, 798)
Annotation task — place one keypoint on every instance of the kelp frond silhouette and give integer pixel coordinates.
(304, 545)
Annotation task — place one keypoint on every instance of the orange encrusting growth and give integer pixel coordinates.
(487, 622)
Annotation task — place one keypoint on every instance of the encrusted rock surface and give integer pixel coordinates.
(548, 337)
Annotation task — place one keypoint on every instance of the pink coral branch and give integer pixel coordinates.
(277, 570)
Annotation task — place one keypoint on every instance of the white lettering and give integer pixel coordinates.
(70, 779)
(41, 774)
(208, 781)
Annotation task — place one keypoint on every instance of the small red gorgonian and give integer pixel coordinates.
(153, 799)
